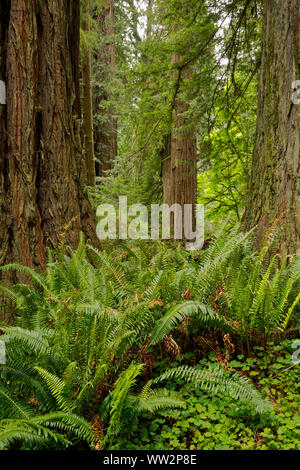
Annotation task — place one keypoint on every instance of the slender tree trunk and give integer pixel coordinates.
(149, 19)
(42, 172)
(87, 111)
(275, 180)
(166, 170)
(105, 133)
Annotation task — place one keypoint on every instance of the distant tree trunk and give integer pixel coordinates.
(42, 172)
(179, 171)
(166, 170)
(105, 131)
(275, 180)
(149, 19)
(87, 108)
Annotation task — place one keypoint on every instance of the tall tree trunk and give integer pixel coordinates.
(179, 171)
(149, 19)
(105, 132)
(87, 108)
(4, 197)
(275, 180)
(42, 172)
(166, 170)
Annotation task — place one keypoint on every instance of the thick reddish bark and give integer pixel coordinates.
(42, 171)
(179, 169)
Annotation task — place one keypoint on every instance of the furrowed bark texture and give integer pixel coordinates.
(42, 171)
(4, 198)
(179, 171)
(274, 191)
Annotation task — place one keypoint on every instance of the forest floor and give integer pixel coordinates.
(214, 422)
(149, 347)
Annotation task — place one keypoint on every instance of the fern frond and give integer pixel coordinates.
(205, 315)
(26, 270)
(38, 341)
(287, 317)
(219, 380)
(11, 407)
(57, 388)
(160, 399)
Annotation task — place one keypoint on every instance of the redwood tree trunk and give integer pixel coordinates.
(4, 197)
(87, 111)
(42, 172)
(179, 171)
(105, 128)
(275, 180)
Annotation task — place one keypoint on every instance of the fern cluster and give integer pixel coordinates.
(73, 351)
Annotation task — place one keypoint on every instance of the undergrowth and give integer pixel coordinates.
(89, 330)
